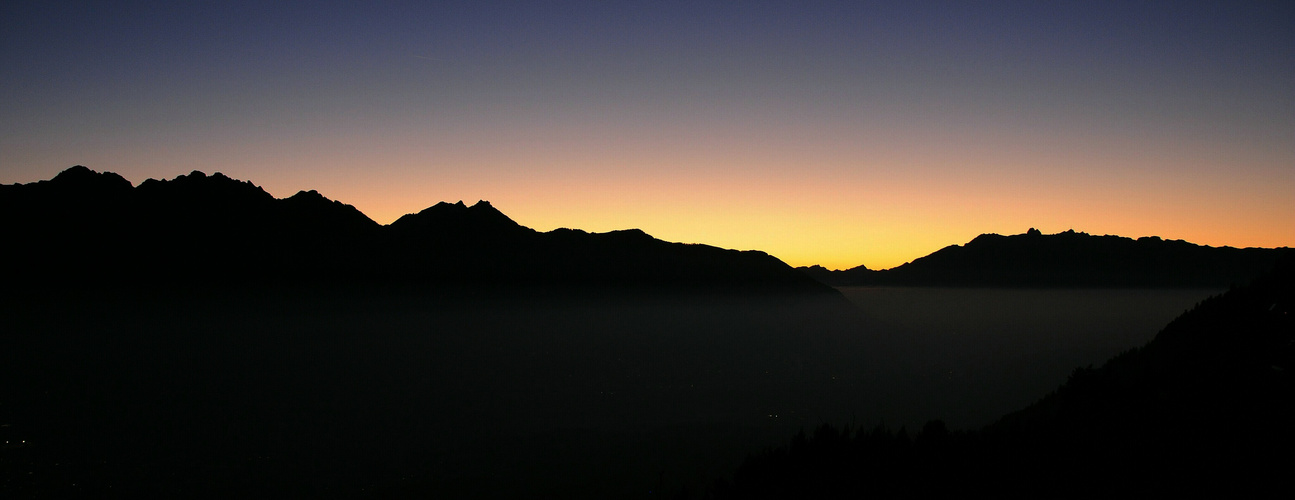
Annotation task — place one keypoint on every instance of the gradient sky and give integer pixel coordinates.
(834, 133)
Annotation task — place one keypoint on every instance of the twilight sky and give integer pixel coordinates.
(834, 133)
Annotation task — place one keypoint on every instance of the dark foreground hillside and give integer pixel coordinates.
(1205, 408)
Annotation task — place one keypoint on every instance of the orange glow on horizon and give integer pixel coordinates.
(842, 223)
(832, 193)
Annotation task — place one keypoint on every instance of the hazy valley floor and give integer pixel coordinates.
(489, 395)
(508, 394)
(975, 354)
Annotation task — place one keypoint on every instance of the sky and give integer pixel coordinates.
(832, 133)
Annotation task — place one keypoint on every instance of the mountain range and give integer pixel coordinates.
(96, 229)
(1068, 259)
(92, 228)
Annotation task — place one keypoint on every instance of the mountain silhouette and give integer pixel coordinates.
(459, 220)
(1068, 259)
(92, 229)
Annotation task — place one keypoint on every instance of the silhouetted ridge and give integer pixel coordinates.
(199, 230)
(312, 208)
(634, 256)
(74, 190)
(1069, 259)
(84, 180)
(825, 275)
(457, 220)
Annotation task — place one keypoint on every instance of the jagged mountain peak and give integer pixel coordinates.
(457, 217)
(308, 195)
(314, 209)
(83, 178)
(198, 187)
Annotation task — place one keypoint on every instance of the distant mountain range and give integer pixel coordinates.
(85, 228)
(1069, 259)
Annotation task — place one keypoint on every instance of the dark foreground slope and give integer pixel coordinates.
(1203, 409)
(1068, 259)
